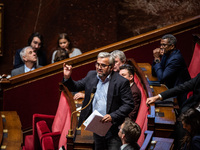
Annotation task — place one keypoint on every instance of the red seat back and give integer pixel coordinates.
(194, 68)
(62, 119)
(141, 119)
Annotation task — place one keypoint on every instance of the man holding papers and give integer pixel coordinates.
(113, 98)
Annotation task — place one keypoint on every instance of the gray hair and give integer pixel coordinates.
(171, 39)
(107, 55)
(23, 52)
(120, 55)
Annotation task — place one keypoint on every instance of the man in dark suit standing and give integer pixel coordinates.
(171, 68)
(113, 98)
(29, 57)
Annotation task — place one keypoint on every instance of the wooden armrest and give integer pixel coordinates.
(147, 141)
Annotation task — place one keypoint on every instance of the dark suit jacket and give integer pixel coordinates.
(136, 99)
(172, 69)
(20, 70)
(40, 54)
(191, 85)
(195, 143)
(119, 98)
(130, 147)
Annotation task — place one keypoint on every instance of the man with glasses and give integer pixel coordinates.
(113, 98)
(169, 66)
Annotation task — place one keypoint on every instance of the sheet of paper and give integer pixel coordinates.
(93, 124)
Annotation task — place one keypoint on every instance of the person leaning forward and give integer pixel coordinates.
(113, 98)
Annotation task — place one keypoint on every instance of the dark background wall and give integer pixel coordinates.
(90, 23)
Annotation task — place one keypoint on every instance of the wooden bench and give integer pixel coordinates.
(162, 117)
(10, 131)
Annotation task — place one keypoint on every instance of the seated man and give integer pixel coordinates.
(127, 72)
(29, 57)
(129, 133)
(36, 42)
(171, 68)
(120, 59)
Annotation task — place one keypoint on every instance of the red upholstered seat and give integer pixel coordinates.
(49, 146)
(194, 68)
(141, 119)
(49, 130)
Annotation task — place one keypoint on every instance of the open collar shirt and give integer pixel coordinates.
(100, 98)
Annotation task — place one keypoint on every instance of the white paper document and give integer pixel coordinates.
(93, 124)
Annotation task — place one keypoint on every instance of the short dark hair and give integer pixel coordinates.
(171, 39)
(130, 68)
(131, 130)
(36, 34)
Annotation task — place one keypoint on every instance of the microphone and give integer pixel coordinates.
(70, 132)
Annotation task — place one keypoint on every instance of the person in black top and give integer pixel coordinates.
(36, 42)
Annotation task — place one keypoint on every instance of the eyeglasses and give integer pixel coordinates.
(164, 45)
(101, 65)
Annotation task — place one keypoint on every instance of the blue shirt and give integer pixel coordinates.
(100, 98)
(26, 69)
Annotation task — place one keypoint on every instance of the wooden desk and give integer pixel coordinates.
(163, 143)
(156, 143)
(84, 140)
(147, 71)
(162, 118)
(12, 134)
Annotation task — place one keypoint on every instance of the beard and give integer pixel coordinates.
(102, 74)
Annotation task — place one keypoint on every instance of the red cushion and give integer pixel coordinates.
(28, 143)
(42, 128)
(47, 143)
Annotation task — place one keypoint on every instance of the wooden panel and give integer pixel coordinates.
(1, 27)
(12, 133)
(1, 128)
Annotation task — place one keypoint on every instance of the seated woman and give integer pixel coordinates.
(191, 122)
(65, 43)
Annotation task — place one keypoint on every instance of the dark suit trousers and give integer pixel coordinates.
(101, 143)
